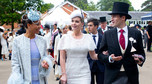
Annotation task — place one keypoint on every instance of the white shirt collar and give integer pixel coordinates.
(125, 29)
(105, 29)
(94, 34)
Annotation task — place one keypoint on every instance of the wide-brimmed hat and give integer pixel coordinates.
(102, 19)
(121, 8)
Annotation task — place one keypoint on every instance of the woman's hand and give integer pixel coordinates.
(45, 64)
(63, 79)
(148, 37)
(55, 62)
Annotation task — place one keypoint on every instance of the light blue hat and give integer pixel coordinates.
(32, 14)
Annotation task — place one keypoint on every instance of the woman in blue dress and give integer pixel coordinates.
(30, 63)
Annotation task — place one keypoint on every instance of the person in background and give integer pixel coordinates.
(10, 41)
(96, 66)
(145, 36)
(1, 31)
(22, 30)
(47, 37)
(138, 27)
(30, 62)
(125, 49)
(69, 30)
(103, 24)
(63, 28)
(83, 30)
(149, 34)
(54, 33)
(4, 51)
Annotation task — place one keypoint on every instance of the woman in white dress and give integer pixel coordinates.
(4, 45)
(74, 48)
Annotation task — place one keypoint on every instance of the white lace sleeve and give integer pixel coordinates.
(62, 43)
(91, 44)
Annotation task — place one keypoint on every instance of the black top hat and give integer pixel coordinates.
(102, 19)
(120, 8)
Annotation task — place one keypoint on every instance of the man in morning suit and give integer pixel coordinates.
(96, 67)
(149, 34)
(125, 49)
(103, 24)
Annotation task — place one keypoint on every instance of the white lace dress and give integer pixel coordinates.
(4, 45)
(77, 66)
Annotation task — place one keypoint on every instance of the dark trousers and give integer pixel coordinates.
(121, 78)
(145, 40)
(99, 77)
(149, 43)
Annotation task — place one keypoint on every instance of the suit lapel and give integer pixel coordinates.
(99, 40)
(115, 41)
(130, 34)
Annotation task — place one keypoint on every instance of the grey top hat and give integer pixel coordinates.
(120, 8)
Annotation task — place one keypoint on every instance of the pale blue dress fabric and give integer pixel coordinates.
(35, 59)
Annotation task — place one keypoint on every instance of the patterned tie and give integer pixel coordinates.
(94, 38)
(122, 39)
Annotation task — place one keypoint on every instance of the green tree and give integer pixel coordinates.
(107, 5)
(147, 5)
(91, 7)
(12, 10)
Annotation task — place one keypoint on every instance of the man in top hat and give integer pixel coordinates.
(103, 24)
(125, 49)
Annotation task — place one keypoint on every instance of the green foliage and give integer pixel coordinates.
(147, 5)
(91, 7)
(9, 10)
(107, 5)
(45, 7)
(12, 10)
(84, 5)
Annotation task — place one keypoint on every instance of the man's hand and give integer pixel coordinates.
(138, 58)
(118, 58)
(105, 53)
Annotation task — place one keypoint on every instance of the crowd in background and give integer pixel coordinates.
(55, 48)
